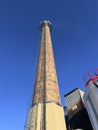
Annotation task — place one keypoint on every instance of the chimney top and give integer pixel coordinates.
(45, 23)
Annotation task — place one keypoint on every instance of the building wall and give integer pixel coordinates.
(91, 103)
(77, 114)
(74, 102)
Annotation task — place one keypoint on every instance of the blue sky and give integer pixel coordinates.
(75, 43)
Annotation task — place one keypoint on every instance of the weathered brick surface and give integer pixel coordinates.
(46, 84)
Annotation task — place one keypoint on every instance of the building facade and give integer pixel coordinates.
(77, 114)
(91, 97)
(46, 112)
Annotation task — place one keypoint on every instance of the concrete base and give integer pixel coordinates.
(54, 117)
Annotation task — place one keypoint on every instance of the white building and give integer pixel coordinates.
(74, 101)
(77, 115)
(91, 100)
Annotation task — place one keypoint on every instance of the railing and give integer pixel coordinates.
(90, 76)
